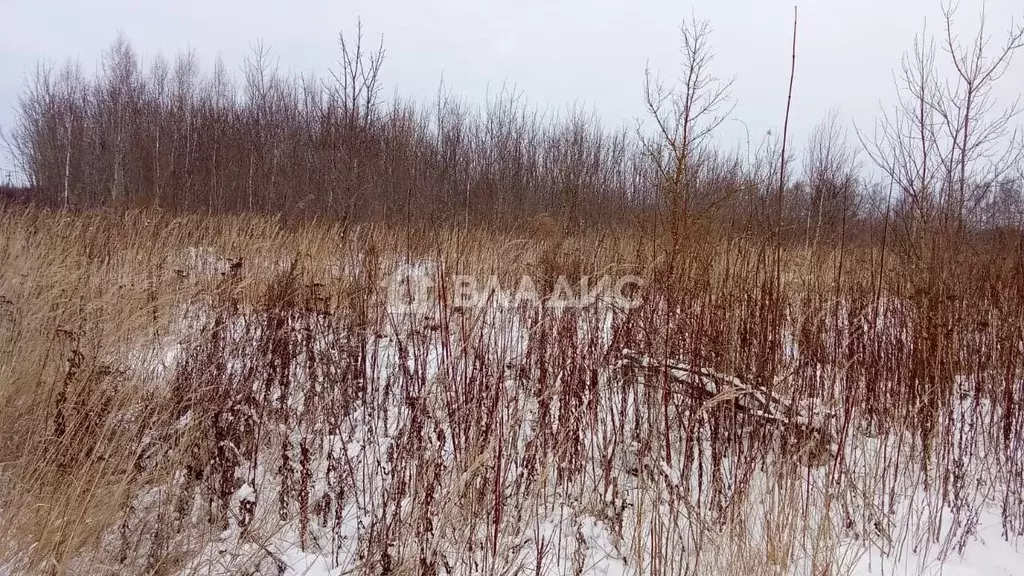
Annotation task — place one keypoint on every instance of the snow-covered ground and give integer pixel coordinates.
(509, 440)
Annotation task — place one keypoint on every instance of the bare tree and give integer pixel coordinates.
(830, 173)
(358, 79)
(354, 104)
(119, 93)
(945, 136)
(685, 114)
(904, 141)
(983, 142)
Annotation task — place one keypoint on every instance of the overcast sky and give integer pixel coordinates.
(557, 52)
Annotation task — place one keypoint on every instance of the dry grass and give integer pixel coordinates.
(151, 366)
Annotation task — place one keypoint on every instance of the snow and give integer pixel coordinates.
(622, 510)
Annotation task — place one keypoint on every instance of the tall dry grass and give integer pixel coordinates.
(154, 369)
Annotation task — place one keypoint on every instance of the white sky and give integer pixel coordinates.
(557, 52)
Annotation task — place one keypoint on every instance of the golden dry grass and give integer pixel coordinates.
(91, 417)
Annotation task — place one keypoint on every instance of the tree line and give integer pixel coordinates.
(175, 137)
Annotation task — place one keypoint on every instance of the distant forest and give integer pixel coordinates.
(172, 136)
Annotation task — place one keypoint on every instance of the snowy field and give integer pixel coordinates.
(303, 437)
(506, 441)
